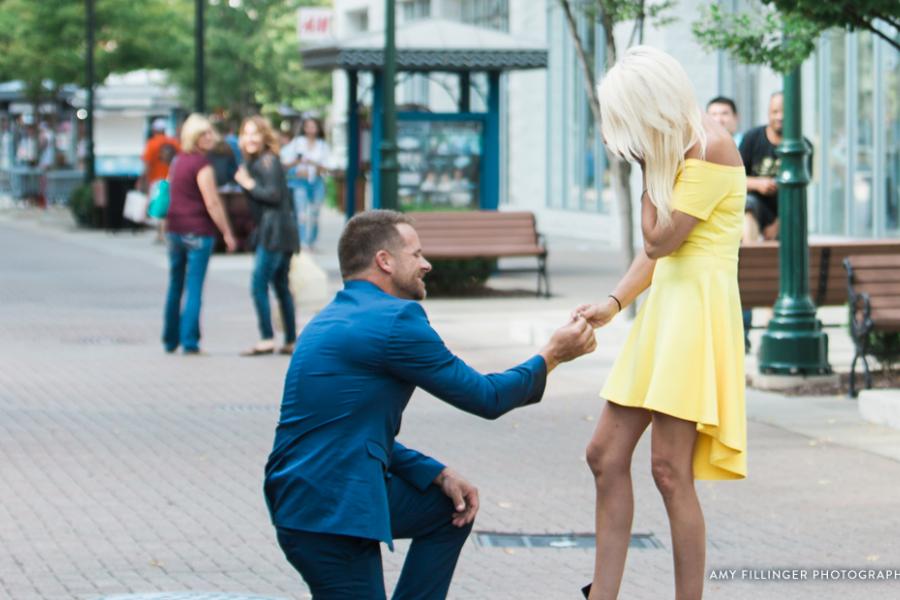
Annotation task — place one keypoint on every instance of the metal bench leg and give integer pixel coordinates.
(542, 275)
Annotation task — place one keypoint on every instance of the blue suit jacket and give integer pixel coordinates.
(355, 367)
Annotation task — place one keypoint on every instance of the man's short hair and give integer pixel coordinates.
(366, 234)
(723, 100)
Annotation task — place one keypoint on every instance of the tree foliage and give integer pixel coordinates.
(252, 54)
(45, 41)
(252, 58)
(849, 14)
(783, 33)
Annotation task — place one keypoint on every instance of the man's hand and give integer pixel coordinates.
(569, 342)
(463, 494)
(762, 185)
(243, 178)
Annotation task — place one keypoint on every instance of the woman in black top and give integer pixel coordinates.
(275, 236)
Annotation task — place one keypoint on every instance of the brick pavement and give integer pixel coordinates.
(126, 470)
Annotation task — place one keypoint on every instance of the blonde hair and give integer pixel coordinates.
(270, 140)
(649, 112)
(192, 129)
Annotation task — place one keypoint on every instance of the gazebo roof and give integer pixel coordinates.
(431, 45)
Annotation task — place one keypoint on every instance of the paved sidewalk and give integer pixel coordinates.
(126, 470)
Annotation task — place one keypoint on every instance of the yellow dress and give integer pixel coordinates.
(685, 353)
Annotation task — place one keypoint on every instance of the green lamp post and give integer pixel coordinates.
(794, 342)
(389, 167)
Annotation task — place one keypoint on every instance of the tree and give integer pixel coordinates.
(253, 59)
(850, 14)
(609, 14)
(42, 43)
(783, 33)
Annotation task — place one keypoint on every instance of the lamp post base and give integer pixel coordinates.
(790, 347)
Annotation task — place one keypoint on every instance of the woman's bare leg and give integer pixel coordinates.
(672, 450)
(609, 457)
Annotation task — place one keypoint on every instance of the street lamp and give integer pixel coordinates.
(89, 77)
(199, 75)
(389, 166)
(794, 342)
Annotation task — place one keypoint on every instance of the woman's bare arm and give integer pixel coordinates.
(206, 181)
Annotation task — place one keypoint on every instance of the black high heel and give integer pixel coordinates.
(586, 590)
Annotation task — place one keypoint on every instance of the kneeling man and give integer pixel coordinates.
(337, 482)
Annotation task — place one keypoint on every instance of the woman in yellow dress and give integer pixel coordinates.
(682, 367)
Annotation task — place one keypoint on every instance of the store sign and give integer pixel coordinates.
(314, 25)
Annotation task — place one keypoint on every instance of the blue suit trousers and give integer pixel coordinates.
(338, 567)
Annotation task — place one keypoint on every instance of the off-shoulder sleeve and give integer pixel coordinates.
(699, 188)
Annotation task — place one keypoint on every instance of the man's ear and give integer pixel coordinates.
(384, 261)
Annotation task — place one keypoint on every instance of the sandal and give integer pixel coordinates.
(287, 349)
(257, 351)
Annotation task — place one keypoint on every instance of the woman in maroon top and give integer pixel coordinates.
(195, 216)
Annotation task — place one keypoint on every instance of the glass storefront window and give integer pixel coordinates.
(837, 147)
(891, 87)
(577, 176)
(861, 195)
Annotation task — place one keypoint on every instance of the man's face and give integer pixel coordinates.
(776, 113)
(723, 115)
(410, 266)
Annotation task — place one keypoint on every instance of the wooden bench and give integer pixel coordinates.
(483, 235)
(758, 275)
(873, 286)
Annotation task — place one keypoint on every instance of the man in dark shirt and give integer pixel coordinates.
(761, 161)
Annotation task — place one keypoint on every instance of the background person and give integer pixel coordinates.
(158, 154)
(762, 163)
(682, 367)
(275, 236)
(195, 216)
(307, 159)
(724, 111)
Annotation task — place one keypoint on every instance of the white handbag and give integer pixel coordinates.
(135, 206)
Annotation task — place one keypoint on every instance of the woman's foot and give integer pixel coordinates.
(261, 348)
(287, 349)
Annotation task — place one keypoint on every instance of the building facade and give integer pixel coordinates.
(552, 159)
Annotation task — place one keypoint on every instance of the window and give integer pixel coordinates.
(414, 9)
(836, 149)
(357, 21)
(577, 176)
(493, 14)
(890, 71)
(864, 150)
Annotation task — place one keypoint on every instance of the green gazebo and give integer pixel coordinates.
(431, 46)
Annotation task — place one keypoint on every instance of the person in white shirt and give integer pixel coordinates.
(307, 158)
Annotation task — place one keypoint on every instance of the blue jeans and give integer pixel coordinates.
(188, 258)
(273, 268)
(308, 199)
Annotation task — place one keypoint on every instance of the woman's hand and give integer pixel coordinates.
(243, 178)
(597, 315)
